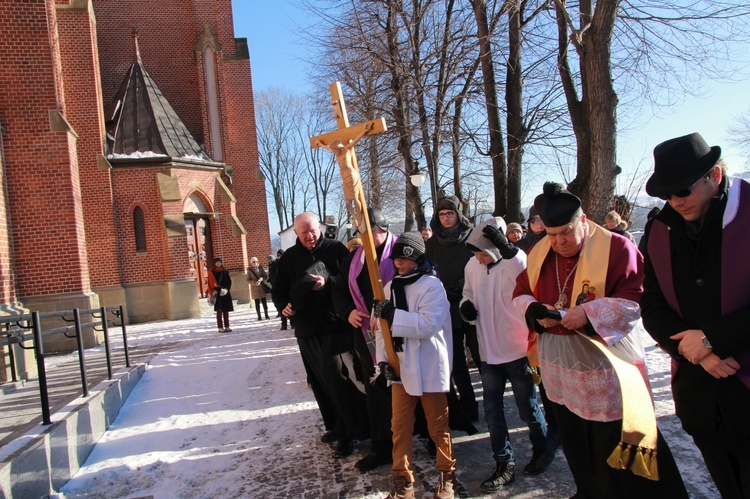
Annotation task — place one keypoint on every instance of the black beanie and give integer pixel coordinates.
(409, 245)
(448, 203)
(556, 206)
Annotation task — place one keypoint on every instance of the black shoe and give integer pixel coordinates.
(344, 448)
(504, 474)
(268, 318)
(540, 461)
(372, 461)
(553, 437)
(328, 437)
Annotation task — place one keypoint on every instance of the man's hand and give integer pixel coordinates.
(356, 316)
(320, 282)
(537, 312)
(575, 318)
(387, 370)
(691, 346)
(719, 368)
(288, 312)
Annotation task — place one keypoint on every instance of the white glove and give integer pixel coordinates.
(223, 291)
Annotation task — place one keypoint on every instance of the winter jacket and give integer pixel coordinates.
(253, 274)
(427, 355)
(501, 330)
(314, 311)
(218, 279)
(446, 249)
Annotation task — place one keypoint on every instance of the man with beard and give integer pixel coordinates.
(302, 290)
(446, 249)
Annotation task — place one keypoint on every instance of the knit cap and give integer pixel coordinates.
(409, 245)
(513, 226)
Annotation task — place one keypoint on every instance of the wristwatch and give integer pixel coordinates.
(705, 342)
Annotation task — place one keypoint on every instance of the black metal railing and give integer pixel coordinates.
(20, 329)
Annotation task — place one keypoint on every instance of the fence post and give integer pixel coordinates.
(124, 336)
(81, 354)
(106, 341)
(39, 354)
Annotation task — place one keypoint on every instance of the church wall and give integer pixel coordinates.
(41, 157)
(77, 28)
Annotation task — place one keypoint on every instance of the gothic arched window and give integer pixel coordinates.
(139, 227)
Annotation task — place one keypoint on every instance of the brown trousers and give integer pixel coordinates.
(435, 407)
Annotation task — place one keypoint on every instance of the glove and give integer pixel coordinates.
(534, 312)
(469, 311)
(495, 236)
(223, 291)
(387, 371)
(383, 310)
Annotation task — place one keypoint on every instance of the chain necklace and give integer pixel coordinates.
(562, 299)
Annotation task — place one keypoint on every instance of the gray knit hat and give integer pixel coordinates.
(409, 245)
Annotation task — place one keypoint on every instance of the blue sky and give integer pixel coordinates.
(272, 32)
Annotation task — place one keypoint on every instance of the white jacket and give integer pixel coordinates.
(427, 355)
(501, 330)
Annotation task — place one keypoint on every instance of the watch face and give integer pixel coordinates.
(705, 342)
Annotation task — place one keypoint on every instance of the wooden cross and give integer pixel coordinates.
(341, 142)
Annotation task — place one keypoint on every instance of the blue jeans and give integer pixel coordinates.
(494, 378)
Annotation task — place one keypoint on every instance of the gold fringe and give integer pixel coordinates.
(639, 466)
(653, 468)
(619, 457)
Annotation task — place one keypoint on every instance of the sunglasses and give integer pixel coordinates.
(683, 193)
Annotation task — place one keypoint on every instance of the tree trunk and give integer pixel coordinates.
(514, 121)
(497, 150)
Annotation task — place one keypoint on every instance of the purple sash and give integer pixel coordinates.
(387, 271)
(735, 292)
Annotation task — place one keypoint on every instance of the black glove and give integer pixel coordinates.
(383, 310)
(468, 310)
(496, 237)
(387, 370)
(534, 312)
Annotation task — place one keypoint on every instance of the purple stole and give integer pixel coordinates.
(735, 292)
(387, 271)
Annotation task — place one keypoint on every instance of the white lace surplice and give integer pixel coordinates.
(577, 375)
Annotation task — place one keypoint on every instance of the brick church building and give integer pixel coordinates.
(128, 155)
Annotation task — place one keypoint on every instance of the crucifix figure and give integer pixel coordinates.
(341, 143)
(352, 181)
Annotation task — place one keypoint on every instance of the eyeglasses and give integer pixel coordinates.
(447, 214)
(683, 193)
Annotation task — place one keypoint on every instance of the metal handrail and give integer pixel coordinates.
(27, 327)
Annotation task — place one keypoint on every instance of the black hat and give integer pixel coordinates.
(377, 218)
(448, 203)
(409, 245)
(556, 206)
(679, 163)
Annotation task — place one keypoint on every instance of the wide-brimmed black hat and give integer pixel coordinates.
(556, 206)
(679, 163)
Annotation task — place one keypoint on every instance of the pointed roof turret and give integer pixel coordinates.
(145, 128)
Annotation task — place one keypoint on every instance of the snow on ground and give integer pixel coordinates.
(231, 415)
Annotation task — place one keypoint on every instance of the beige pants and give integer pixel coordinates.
(435, 407)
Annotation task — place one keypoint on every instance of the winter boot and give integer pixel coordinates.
(267, 318)
(400, 488)
(445, 488)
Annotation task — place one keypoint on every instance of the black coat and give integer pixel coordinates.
(701, 400)
(314, 311)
